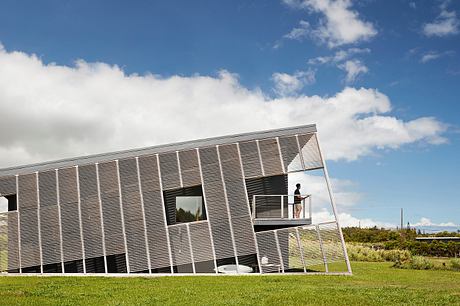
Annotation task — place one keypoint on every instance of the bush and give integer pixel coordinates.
(364, 253)
(421, 263)
(455, 264)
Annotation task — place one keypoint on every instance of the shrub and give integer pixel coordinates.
(455, 264)
(421, 263)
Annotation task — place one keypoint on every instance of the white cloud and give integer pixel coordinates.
(290, 84)
(300, 32)
(339, 24)
(346, 219)
(353, 68)
(338, 57)
(433, 55)
(54, 111)
(427, 222)
(446, 23)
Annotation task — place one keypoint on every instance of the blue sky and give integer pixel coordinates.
(288, 50)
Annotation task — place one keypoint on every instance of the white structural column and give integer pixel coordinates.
(60, 221)
(322, 248)
(143, 215)
(249, 208)
(19, 222)
(122, 217)
(260, 158)
(228, 211)
(164, 215)
(206, 208)
(179, 170)
(79, 219)
(39, 225)
(102, 217)
(334, 209)
(300, 248)
(275, 232)
(190, 247)
(281, 155)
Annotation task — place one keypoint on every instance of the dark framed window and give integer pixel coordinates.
(8, 203)
(184, 205)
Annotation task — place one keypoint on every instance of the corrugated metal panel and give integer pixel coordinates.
(189, 168)
(268, 252)
(90, 211)
(110, 200)
(237, 200)
(215, 203)
(178, 236)
(290, 154)
(70, 220)
(13, 247)
(7, 185)
(169, 171)
(201, 241)
(250, 158)
(47, 188)
(50, 236)
(271, 159)
(153, 208)
(132, 212)
(28, 203)
(310, 152)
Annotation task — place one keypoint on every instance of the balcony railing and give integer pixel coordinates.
(276, 206)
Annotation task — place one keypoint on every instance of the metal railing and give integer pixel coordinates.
(269, 204)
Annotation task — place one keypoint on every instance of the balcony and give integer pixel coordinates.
(279, 211)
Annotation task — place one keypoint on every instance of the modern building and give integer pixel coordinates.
(217, 205)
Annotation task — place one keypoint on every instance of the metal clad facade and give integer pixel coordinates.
(70, 220)
(169, 171)
(154, 216)
(189, 168)
(133, 216)
(290, 154)
(110, 201)
(271, 159)
(28, 203)
(251, 159)
(13, 243)
(215, 203)
(180, 247)
(90, 212)
(237, 199)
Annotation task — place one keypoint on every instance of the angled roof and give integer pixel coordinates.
(178, 146)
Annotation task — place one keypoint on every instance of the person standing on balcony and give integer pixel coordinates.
(297, 202)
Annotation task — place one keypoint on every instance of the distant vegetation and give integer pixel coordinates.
(401, 248)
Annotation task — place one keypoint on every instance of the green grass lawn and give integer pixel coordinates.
(372, 283)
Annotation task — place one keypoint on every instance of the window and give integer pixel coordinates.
(184, 205)
(8, 203)
(189, 209)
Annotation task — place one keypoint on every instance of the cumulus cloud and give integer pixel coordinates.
(338, 57)
(445, 24)
(353, 68)
(427, 222)
(289, 84)
(52, 111)
(338, 24)
(300, 32)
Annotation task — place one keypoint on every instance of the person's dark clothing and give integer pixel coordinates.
(297, 198)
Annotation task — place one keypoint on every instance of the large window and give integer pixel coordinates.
(184, 205)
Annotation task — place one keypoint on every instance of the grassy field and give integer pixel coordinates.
(372, 283)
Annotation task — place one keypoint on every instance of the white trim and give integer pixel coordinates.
(179, 170)
(122, 217)
(249, 208)
(334, 208)
(143, 215)
(79, 217)
(19, 225)
(206, 208)
(40, 247)
(190, 247)
(58, 198)
(228, 210)
(260, 158)
(160, 181)
(102, 217)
